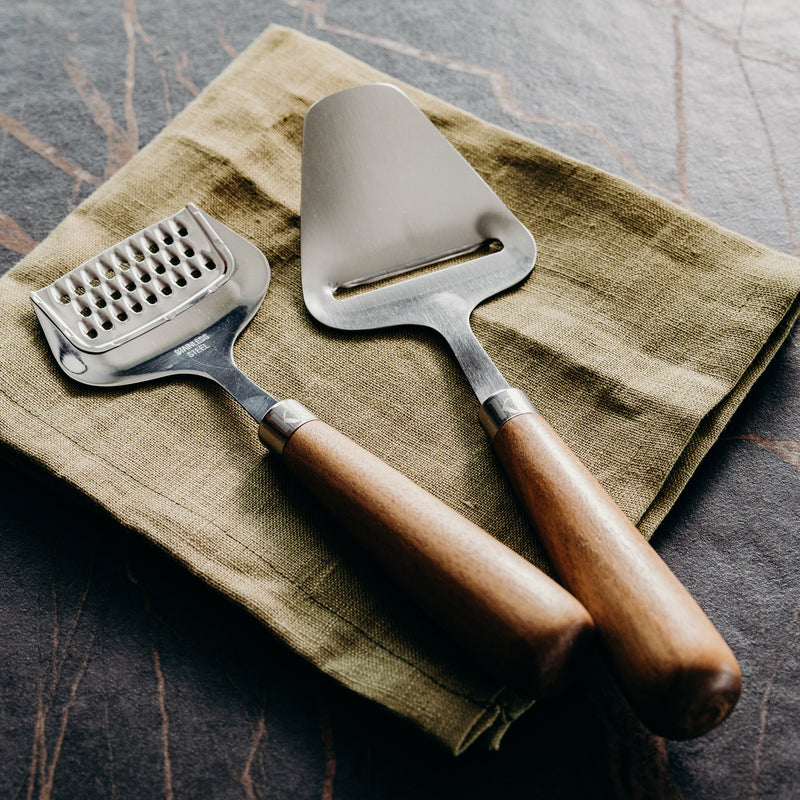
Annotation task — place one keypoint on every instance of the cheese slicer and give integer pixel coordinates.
(384, 194)
(172, 299)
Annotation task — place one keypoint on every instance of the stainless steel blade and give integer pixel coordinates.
(384, 193)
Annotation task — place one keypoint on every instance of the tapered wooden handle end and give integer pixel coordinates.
(674, 667)
(510, 616)
(695, 702)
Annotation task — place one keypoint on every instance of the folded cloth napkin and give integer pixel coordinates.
(639, 332)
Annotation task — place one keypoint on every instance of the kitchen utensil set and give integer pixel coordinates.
(384, 194)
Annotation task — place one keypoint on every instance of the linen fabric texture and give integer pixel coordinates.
(637, 335)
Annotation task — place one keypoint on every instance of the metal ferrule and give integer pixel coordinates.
(501, 407)
(280, 422)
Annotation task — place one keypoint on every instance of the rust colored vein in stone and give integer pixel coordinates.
(501, 89)
(167, 101)
(44, 760)
(315, 9)
(79, 613)
(680, 111)
(162, 705)
(754, 49)
(246, 777)
(20, 131)
(181, 61)
(13, 237)
(136, 26)
(750, 48)
(129, 21)
(122, 143)
(46, 790)
(38, 763)
(773, 155)
(110, 749)
(226, 45)
(329, 750)
(787, 449)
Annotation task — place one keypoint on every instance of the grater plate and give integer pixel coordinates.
(139, 283)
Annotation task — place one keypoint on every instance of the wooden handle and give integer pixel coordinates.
(675, 669)
(510, 616)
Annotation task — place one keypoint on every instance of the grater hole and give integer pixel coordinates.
(116, 294)
(211, 264)
(86, 312)
(168, 239)
(138, 256)
(64, 298)
(180, 281)
(145, 278)
(182, 231)
(166, 290)
(79, 290)
(130, 286)
(195, 273)
(189, 252)
(153, 248)
(151, 298)
(91, 333)
(174, 261)
(110, 274)
(124, 265)
(106, 325)
(136, 308)
(122, 316)
(160, 269)
(100, 303)
(94, 282)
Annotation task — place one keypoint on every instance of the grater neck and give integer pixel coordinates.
(251, 397)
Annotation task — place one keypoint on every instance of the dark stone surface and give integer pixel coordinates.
(123, 676)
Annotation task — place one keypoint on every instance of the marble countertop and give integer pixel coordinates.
(123, 676)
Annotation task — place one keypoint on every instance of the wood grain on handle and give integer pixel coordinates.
(674, 667)
(510, 616)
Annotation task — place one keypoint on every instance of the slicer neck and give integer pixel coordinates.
(481, 372)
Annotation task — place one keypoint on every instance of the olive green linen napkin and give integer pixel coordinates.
(637, 335)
